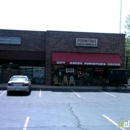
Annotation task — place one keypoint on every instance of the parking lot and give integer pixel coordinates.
(65, 109)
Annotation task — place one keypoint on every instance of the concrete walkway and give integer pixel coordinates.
(35, 87)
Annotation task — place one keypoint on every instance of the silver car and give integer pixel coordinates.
(19, 83)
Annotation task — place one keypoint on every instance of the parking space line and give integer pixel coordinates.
(40, 93)
(26, 123)
(113, 122)
(2, 93)
(108, 93)
(75, 93)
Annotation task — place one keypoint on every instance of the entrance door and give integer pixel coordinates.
(9, 70)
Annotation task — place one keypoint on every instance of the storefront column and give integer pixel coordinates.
(48, 69)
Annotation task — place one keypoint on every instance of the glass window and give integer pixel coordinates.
(18, 79)
(39, 75)
(25, 70)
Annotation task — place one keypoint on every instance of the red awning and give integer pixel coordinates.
(97, 59)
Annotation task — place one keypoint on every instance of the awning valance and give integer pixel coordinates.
(93, 59)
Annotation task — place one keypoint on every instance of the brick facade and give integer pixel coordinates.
(62, 41)
(65, 42)
(31, 40)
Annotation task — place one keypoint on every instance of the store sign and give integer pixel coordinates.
(88, 42)
(69, 70)
(90, 63)
(10, 40)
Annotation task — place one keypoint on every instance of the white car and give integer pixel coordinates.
(19, 83)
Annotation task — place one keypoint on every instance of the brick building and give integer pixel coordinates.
(44, 55)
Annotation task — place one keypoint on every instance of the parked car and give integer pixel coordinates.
(19, 83)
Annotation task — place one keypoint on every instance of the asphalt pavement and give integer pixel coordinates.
(68, 109)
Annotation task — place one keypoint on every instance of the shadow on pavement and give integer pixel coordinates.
(82, 90)
(16, 93)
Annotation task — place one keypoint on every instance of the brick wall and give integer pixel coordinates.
(31, 40)
(40, 41)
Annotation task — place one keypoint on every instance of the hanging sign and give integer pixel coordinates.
(69, 70)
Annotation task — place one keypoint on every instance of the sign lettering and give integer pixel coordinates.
(113, 64)
(86, 42)
(76, 63)
(60, 62)
(99, 64)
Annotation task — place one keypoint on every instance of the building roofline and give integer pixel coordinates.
(61, 31)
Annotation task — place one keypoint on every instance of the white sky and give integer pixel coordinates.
(64, 15)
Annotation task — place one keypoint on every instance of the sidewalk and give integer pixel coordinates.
(34, 87)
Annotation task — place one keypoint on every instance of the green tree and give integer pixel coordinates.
(127, 51)
(127, 41)
(127, 25)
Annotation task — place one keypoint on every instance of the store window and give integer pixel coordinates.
(58, 71)
(27, 70)
(39, 75)
(88, 76)
(34, 69)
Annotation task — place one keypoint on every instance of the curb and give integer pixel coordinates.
(36, 87)
(3, 86)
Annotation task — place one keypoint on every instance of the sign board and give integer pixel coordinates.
(88, 63)
(10, 40)
(69, 70)
(88, 42)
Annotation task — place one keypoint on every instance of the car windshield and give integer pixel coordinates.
(18, 79)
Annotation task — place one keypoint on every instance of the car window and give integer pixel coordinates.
(18, 79)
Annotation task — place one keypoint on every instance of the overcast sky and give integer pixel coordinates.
(64, 15)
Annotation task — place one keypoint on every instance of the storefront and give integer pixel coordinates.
(22, 53)
(86, 68)
(82, 58)
(34, 69)
(36, 72)
(67, 58)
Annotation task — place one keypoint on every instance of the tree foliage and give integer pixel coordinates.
(127, 41)
(127, 25)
